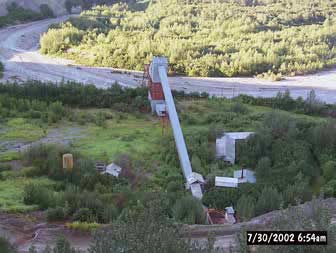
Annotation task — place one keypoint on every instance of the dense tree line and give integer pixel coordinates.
(17, 13)
(87, 4)
(283, 101)
(203, 38)
(1, 69)
(79, 95)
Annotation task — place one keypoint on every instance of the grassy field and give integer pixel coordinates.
(130, 135)
(22, 129)
(11, 192)
(138, 135)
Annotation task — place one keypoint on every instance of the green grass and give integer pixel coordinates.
(140, 136)
(83, 226)
(9, 156)
(132, 135)
(22, 129)
(11, 193)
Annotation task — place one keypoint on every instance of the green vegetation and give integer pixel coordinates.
(17, 14)
(20, 129)
(5, 246)
(87, 4)
(290, 152)
(1, 70)
(146, 229)
(208, 38)
(124, 134)
(12, 192)
(9, 156)
(83, 226)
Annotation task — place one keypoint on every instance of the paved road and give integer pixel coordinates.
(19, 52)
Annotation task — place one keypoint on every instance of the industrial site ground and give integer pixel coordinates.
(74, 101)
(131, 136)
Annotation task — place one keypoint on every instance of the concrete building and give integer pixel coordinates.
(245, 176)
(226, 145)
(230, 182)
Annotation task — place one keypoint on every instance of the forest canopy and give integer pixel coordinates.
(203, 38)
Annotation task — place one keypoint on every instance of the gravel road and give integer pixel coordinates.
(19, 52)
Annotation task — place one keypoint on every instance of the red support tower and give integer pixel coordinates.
(155, 94)
(157, 99)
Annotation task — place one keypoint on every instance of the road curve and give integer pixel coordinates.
(19, 53)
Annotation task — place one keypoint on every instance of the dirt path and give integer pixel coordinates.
(18, 51)
(55, 136)
(23, 231)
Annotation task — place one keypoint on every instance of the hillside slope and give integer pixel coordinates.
(57, 6)
(269, 40)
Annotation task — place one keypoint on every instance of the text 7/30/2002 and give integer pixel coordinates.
(287, 237)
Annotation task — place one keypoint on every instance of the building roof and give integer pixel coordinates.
(238, 135)
(248, 175)
(226, 181)
(112, 169)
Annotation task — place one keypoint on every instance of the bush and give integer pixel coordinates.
(35, 194)
(269, 200)
(31, 172)
(84, 215)
(188, 210)
(5, 246)
(221, 198)
(45, 11)
(1, 69)
(245, 207)
(83, 226)
(55, 214)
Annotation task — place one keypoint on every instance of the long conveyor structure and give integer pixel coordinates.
(158, 78)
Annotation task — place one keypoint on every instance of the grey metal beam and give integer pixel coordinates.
(175, 123)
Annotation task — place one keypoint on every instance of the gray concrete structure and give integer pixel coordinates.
(226, 145)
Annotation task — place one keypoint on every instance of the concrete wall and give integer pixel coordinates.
(56, 5)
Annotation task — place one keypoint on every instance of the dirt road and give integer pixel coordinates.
(19, 52)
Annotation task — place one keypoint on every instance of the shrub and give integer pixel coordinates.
(45, 11)
(269, 200)
(5, 246)
(245, 207)
(31, 172)
(238, 107)
(5, 167)
(109, 214)
(55, 214)
(189, 210)
(35, 194)
(83, 215)
(221, 198)
(1, 69)
(83, 226)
